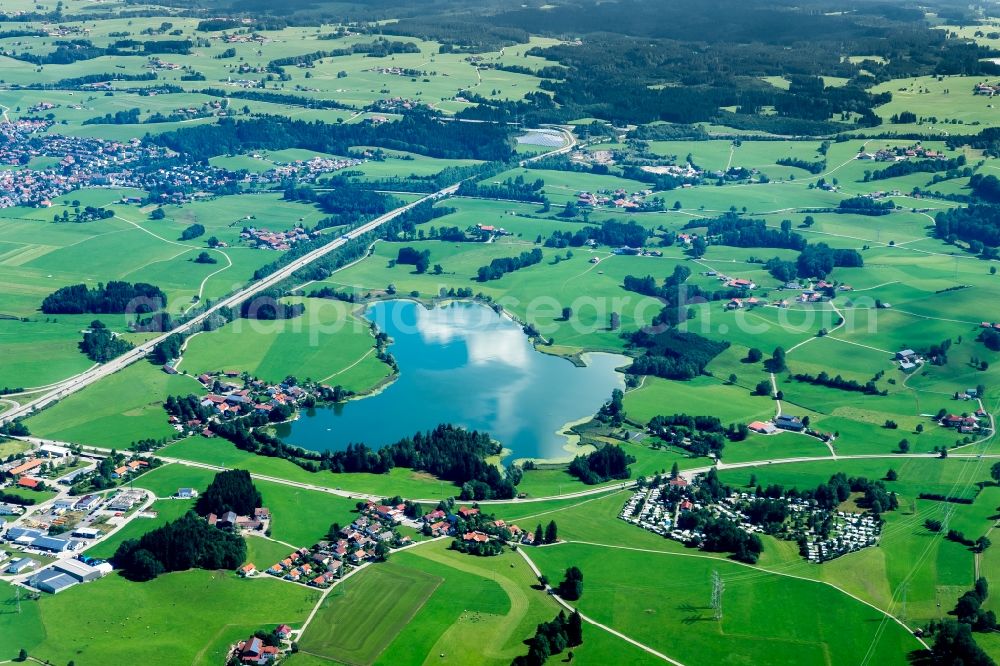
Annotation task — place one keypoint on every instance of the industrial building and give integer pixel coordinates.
(21, 565)
(83, 573)
(51, 581)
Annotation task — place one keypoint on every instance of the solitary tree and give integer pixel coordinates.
(571, 586)
(777, 363)
(904, 445)
(551, 532)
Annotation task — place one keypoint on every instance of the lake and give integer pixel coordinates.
(463, 363)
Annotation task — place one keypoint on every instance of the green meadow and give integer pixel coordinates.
(180, 617)
(400, 480)
(328, 343)
(667, 607)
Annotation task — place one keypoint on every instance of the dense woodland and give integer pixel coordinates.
(419, 132)
(186, 543)
(673, 354)
(230, 490)
(605, 464)
(101, 345)
(112, 298)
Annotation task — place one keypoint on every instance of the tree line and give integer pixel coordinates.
(503, 265)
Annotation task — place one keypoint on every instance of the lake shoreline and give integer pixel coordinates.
(469, 367)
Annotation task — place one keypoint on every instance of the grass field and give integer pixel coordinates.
(398, 481)
(113, 413)
(328, 343)
(433, 605)
(178, 618)
(667, 608)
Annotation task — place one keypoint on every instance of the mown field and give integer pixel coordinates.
(182, 617)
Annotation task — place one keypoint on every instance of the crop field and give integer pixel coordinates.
(356, 623)
(463, 610)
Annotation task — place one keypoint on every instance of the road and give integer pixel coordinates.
(608, 488)
(81, 381)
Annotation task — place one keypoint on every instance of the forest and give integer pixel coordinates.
(115, 297)
(101, 345)
(673, 354)
(716, 55)
(230, 490)
(418, 132)
(606, 463)
(186, 543)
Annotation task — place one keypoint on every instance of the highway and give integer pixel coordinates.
(81, 381)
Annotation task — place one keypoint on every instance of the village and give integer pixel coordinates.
(90, 162)
(227, 399)
(620, 199)
(900, 153)
(822, 534)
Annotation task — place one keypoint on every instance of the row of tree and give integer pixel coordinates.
(503, 265)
